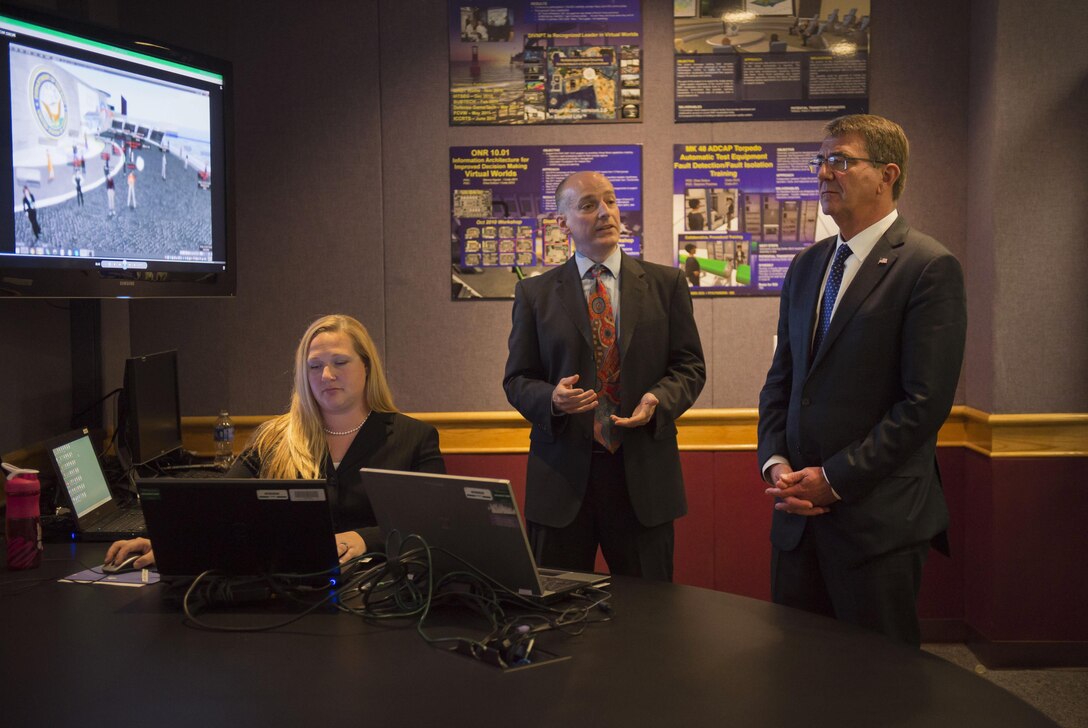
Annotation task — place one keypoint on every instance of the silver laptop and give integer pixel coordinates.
(477, 519)
(99, 516)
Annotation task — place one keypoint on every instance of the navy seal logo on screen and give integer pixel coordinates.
(50, 106)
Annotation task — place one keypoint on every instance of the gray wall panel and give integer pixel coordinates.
(309, 213)
(442, 355)
(1028, 108)
(1040, 213)
(35, 372)
(979, 263)
(741, 342)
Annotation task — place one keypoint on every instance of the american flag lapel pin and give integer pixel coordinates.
(882, 261)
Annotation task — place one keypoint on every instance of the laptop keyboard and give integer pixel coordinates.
(557, 583)
(125, 521)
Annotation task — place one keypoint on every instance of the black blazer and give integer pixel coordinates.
(660, 352)
(868, 407)
(388, 440)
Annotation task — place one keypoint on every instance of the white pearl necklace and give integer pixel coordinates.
(352, 431)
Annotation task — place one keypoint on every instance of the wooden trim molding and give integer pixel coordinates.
(997, 436)
(1025, 436)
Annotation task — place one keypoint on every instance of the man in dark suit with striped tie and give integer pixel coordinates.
(604, 357)
(871, 333)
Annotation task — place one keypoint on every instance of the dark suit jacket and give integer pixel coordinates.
(869, 406)
(660, 352)
(388, 440)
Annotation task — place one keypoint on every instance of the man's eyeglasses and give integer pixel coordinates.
(837, 162)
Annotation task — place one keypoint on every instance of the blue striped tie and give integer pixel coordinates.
(831, 292)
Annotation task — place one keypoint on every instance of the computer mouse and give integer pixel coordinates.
(123, 567)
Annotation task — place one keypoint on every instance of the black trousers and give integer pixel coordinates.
(606, 519)
(880, 594)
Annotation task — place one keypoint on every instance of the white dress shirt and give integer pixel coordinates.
(860, 246)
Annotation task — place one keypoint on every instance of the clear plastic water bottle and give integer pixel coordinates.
(24, 522)
(224, 439)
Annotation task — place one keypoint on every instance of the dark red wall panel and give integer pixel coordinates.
(742, 548)
(1025, 576)
(941, 596)
(694, 559)
(1018, 535)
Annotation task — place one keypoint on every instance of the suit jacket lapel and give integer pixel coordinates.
(809, 296)
(877, 264)
(632, 295)
(375, 432)
(568, 288)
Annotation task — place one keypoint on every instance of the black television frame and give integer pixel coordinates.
(25, 277)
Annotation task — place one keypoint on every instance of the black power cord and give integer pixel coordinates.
(402, 585)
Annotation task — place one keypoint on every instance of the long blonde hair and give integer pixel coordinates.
(293, 444)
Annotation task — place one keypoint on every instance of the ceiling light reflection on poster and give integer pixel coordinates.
(741, 212)
(503, 223)
(767, 61)
(545, 62)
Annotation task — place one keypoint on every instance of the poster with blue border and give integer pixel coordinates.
(503, 223)
(762, 61)
(741, 212)
(545, 62)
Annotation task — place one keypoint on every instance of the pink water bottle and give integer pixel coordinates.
(24, 522)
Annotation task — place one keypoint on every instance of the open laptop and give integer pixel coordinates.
(475, 518)
(239, 527)
(99, 516)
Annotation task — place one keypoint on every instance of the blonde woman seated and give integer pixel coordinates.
(341, 418)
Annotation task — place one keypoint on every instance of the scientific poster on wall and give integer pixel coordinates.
(504, 226)
(741, 212)
(545, 62)
(767, 63)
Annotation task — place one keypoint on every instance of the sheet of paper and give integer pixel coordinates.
(95, 576)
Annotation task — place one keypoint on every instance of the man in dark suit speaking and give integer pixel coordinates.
(871, 335)
(604, 357)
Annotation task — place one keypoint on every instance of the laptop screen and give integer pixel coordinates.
(77, 465)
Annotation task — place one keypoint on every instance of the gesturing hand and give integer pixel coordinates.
(570, 400)
(642, 414)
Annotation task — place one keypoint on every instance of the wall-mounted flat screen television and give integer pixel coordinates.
(119, 151)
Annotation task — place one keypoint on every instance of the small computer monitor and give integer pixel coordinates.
(150, 413)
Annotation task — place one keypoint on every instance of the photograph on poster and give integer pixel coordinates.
(770, 60)
(545, 62)
(504, 224)
(711, 208)
(485, 25)
(684, 8)
(741, 212)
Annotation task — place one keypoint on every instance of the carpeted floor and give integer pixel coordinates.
(1060, 693)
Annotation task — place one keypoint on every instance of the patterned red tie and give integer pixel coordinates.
(606, 354)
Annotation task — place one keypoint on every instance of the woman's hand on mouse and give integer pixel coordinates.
(121, 550)
(349, 544)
